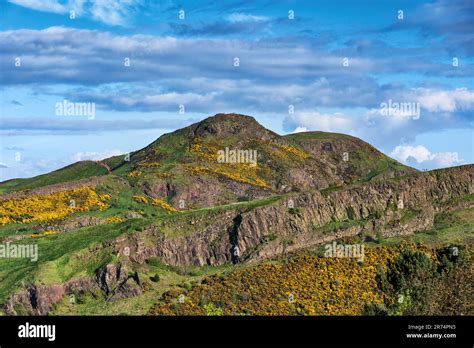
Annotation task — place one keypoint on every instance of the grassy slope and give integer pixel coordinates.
(170, 277)
(450, 228)
(76, 171)
(366, 158)
(173, 147)
(14, 272)
(456, 227)
(66, 255)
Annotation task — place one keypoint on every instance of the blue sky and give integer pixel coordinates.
(401, 57)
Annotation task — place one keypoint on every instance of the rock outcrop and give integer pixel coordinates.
(112, 280)
(398, 207)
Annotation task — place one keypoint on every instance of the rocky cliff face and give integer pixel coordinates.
(296, 221)
(112, 280)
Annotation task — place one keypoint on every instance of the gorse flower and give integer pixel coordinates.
(156, 202)
(134, 173)
(306, 285)
(52, 206)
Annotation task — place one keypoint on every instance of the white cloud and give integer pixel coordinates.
(314, 120)
(95, 156)
(110, 12)
(271, 77)
(424, 157)
(41, 5)
(242, 17)
(445, 101)
(300, 130)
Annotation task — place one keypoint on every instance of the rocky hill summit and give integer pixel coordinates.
(183, 166)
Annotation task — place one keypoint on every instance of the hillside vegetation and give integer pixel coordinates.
(133, 234)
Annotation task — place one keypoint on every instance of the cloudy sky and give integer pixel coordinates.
(326, 65)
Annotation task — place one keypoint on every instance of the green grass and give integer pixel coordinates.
(17, 229)
(76, 171)
(449, 228)
(317, 135)
(116, 162)
(366, 162)
(65, 255)
(325, 192)
(14, 272)
(407, 216)
(97, 304)
(245, 206)
(170, 278)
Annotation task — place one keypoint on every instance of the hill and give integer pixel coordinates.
(221, 195)
(183, 165)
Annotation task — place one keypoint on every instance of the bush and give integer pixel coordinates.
(410, 270)
(155, 278)
(211, 310)
(294, 211)
(350, 213)
(408, 282)
(375, 309)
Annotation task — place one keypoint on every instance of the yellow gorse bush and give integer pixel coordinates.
(164, 175)
(164, 205)
(156, 202)
(243, 173)
(114, 219)
(134, 173)
(291, 151)
(306, 285)
(43, 234)
(140, 199)
(149, 164)
(50, 207)
(208, 154)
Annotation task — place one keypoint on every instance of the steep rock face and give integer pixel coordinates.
(112, 279)
(115, 282)
(298, 220)
(39, 299)
(367, 208)
(207, 243)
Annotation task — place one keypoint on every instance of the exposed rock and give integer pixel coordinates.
(270, 230)
(112, 279)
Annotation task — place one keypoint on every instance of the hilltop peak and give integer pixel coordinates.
(220, 117)
(231, 124)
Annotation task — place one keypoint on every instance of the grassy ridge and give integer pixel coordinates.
(76, 171)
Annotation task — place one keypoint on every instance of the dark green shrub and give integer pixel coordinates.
(155, 278)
